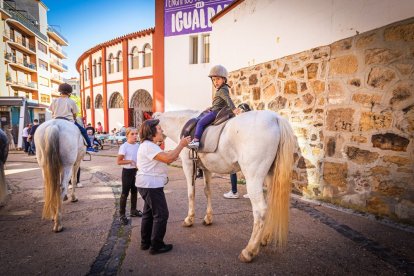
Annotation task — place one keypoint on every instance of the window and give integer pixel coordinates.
(85, 73)
(100, 66)
(98, 101)
(111, 64)
(88, 102)
(116, 101)
(147, 55)
(193, 50)
(43, 81)
(119, 62)
(206, 48)
(42, 47)
(43, 65)
(134, 58)
(44, 98)
(74, 87)
(94, 68)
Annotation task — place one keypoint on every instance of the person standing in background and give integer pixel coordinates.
(25, 134)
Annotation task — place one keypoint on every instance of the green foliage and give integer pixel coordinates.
(78, 103)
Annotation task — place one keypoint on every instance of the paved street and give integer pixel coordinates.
(322, 240)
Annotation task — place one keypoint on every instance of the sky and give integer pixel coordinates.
(86, 23)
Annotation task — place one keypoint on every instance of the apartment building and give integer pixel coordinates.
(31, 65)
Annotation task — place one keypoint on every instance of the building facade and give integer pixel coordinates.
(31, 67)
(117, 81)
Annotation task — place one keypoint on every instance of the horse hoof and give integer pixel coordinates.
(185, 224)
(57, 230)
(74, 200)
(243, 258)
(205, 223)
(65, 198)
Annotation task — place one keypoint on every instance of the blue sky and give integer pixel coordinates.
(86, 23)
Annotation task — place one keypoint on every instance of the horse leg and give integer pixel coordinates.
(208, 219)
(57, 227)
(255, 191)
(188, 172)
(74, 182)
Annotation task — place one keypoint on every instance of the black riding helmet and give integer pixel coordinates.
(65, 88)
(245, 107)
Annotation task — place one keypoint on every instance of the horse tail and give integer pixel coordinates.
(52, 170)
(278, 192)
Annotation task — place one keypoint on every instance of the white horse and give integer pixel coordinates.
(259, 143)
(59, 151)
(4, 151)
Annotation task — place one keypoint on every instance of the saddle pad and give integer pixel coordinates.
(212, 135)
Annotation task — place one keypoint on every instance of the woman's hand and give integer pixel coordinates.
(184, 141)
(237, 111)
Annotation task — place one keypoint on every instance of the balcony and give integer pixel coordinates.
(57, 36)
(21, 44)
(20, 63)
(57, 50)
(20, 84)
(21, 21)
(56, 78)
(58, 65)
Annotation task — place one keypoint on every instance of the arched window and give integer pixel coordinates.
(88, 102)
(116, 101)
(85, 73)
(134, 58)
(147, 55)
(110, 64)
(98, 101)
(94, 68)
(119, 62)
(100, 66)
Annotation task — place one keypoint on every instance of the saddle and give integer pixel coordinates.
(211, 135)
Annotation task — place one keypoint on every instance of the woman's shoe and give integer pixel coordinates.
(136, 213)
(165, 248)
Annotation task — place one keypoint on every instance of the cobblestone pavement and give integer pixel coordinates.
(322, 240)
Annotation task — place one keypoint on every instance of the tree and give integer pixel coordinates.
(78, 103)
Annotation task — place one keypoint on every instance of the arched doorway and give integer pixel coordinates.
(141, 102)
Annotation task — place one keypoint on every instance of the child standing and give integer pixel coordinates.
(218, 75)
(127, 157)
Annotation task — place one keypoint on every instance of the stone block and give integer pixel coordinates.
(390, 141)
(303, 86)
(381, 56)
(404, 68)
(379, 77)
(402, 32)
(380, 170)
(340, 119)
(300, 74)
(291, 87)
(344, 65)
(318, 86)
(335, 174)
(378, 206)
(342, 45)
(269, 92)
(331, 146)
(355, 82)
(253, 79)
(366, 100)
(399, 161)
(370, 120)
(361, 156)
(278, 103)
(402, 95)
(336, 94)
(304, 163)
(366, 40)
(256, 93)
(405, 209)
(359, 139)
(308, 98)
(312, 70)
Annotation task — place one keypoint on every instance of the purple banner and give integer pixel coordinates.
(190, 16)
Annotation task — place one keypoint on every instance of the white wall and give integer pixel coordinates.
(187, 86)
(116, 118)
(257, 31)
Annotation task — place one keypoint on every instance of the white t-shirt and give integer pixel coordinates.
(130, 153)
(25, 132)
(63, 107)
(152, 173)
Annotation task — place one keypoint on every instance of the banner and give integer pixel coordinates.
(190, 16)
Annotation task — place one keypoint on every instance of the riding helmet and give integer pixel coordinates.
(245, 107)
(218, 71)
(65, 88)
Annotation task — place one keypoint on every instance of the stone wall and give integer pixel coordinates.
(351, 105)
